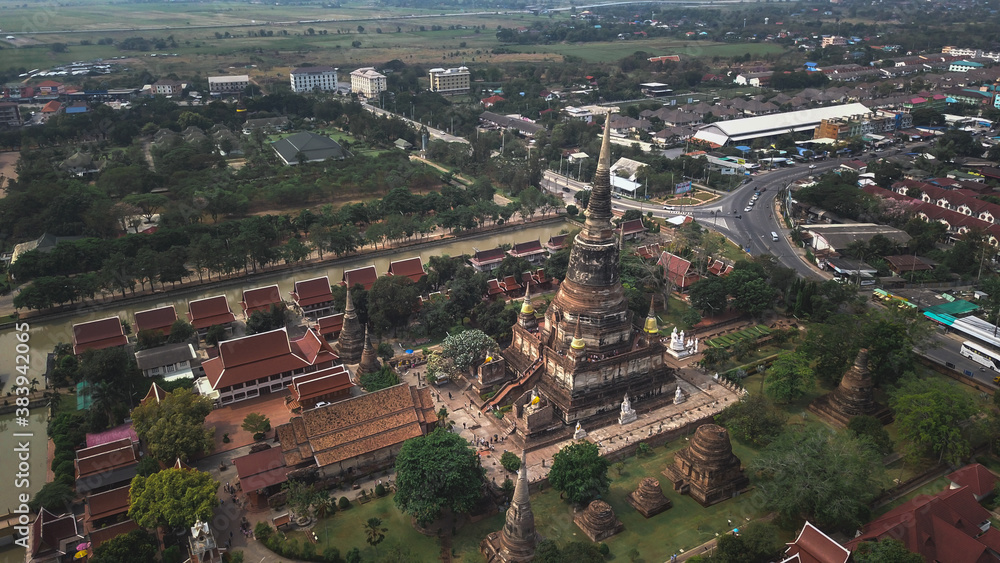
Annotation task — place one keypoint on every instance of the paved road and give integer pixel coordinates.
(432, 132)
(752, 230)
(945, 350)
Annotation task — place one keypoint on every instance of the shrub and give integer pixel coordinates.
(380, 490)
(510, 462)
(331, 555)
(263, 531)
(344, 503)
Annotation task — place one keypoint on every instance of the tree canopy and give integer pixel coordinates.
(174, 427)
(437, 472)
(172, 497)
(929, 415)
(789, 376)
(884, 551)
(752, 420)
(825, 477)
(468, 349)
(137, 545)
(579, 471)
(757, 542)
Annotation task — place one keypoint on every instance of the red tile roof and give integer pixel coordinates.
(493, 287)
(105, 457)
(48, 531)
(813, 546)
(160, 319)
(510, 283)
(941, 528)
(556, 242)
(48, 84)
(632, 227)
(365, 277)
(98, 335)
(975, 476)
(312, 292)
(210, 311)
(261, 470)
(51, 107)
(677, 270)
(246, 359)
(155, 393)
(318, 383)
(529, 248)
(260, 299)
(106, 504)
(331, 324)
(412, 268)
(485, 257)
(97, 537)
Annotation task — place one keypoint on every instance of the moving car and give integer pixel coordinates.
(748, 209)
(812, 166)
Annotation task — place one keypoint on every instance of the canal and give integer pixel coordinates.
(46, 334)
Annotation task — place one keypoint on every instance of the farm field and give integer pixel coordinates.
(615, 50)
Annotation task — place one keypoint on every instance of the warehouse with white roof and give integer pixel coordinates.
(738, 130)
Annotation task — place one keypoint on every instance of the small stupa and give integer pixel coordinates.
(648, 499)
(351, 342)
(516, 542)
(855, 396)
(598, 521)
(707, 469)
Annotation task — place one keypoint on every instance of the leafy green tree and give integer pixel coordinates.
(871, 429)
(180, 331)
(579, 471)
(752, 420)
(709, 295)
(929, 415)
(172, 497)
(437, 472)
(215, 334)
(374, 532)
(256, 423)
(890, 336)
(384, 377)
(137, 545)
(391, 302)
(175, 426)
(261, 321)
(147, 466)
(789, 377)
(834, 345)
(827, 478)
(757, 542)
(510, 461)
(300, 495)
(754, 297)
(884, 551)
(54, 497)
(468, 349)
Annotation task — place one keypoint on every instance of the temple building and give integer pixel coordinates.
(855, 396)
(707, 469)
(587, 354)
(516, 542)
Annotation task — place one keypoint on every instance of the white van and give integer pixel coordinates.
(774, 236)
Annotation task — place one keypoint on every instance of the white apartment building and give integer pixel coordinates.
(367, 82)
(449, 81)
(228, 84)
(313, 78)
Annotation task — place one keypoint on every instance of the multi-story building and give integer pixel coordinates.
(314, 78)
(833, 41)
(166, 88)
(10, 115)
(218, 85)
(449, 81)
(367, 82)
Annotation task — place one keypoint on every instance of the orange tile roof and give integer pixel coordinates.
(210, 311)
(97, 537)
(98, 335)
(311, 292)
(979, 479)
(412, 268)
(331, 324)
(260, 299)
(261, 469)
(365, 277)
(105, 457)
(813, 546)
(51, 107)
(156, 319)
(632, 227)
(48, 531)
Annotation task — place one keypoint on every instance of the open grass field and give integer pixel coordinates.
(615, 50)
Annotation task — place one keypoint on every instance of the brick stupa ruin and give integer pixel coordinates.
(351, 342)
(648, 498)
(707, 469)
(855, 396)
(516, 542)
(598, 521)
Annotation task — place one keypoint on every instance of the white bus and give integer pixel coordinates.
(981, 355)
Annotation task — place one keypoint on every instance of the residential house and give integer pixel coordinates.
(269, 125)
(262, 362)
(487, 260)
(358, 435)
(364, 276)
(313, 297)
(907, 263)
(518, 125)
(98, 335)
(532, 251)
(412, 268)
(491, 101)
(210, 311)
(171, 361)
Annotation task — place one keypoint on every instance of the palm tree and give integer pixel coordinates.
(375, 532)
(323, 504)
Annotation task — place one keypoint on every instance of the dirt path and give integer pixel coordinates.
(8, 169)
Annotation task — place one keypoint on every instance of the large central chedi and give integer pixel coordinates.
(587, 355)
